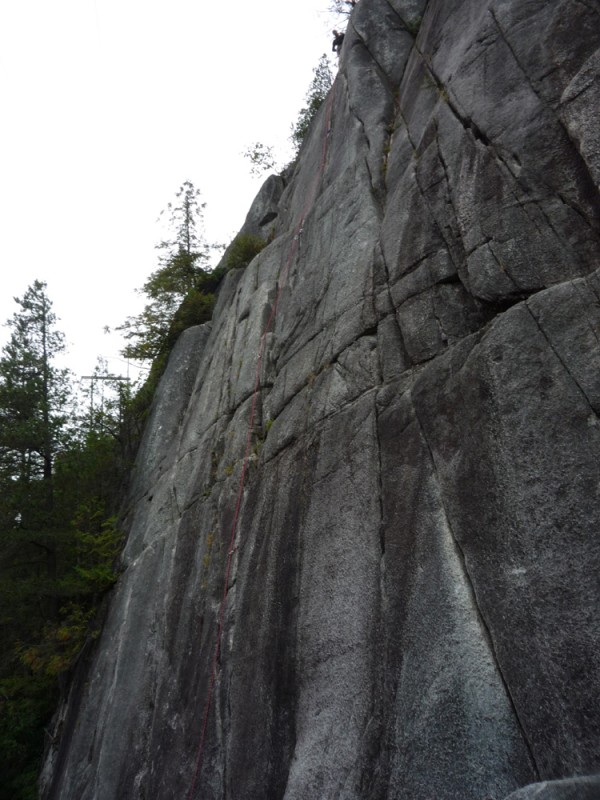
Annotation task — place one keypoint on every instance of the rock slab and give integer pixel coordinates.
(412, 484)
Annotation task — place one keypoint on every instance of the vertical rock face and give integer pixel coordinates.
(394, 413)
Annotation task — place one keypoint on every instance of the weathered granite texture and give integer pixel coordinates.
(413, 607)
(587, 788)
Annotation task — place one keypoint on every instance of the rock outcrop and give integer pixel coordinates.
(412, 484)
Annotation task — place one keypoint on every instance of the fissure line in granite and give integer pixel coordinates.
(469, 586)
(293, 249)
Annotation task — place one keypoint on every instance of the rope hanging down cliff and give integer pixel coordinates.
(293, 249)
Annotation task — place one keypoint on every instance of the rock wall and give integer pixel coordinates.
(413, 483)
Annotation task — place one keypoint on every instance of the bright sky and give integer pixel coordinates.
(107, 107)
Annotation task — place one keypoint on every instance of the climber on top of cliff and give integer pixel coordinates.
(338, 39)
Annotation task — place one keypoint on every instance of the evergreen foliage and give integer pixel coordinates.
(181, 294)
(317, 92)
(242, 250)
(62, 472)
(60, 476)
(183, 260)
(261, 156)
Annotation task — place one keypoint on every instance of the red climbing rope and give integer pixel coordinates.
(311, 197)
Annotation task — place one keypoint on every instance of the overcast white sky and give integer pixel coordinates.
(107, 107)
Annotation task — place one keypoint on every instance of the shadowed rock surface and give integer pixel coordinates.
(413, 602)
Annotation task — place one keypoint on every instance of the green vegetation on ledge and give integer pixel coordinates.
(181, 292)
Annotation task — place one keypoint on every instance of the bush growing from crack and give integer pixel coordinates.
(242, 250)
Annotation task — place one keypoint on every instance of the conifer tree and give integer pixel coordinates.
(34, 395)
(183, 260)
(317, 92)
(59, 489)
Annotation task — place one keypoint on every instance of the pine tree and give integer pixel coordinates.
(34, 399)
(34, 396)
(60, 478)
(183, 260)
(32, 389)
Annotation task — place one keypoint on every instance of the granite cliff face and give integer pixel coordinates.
(413, 484)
